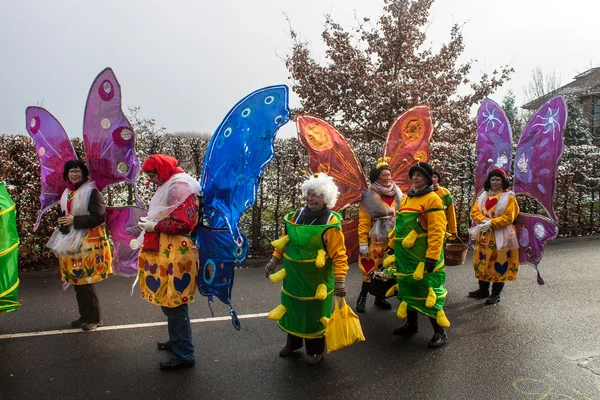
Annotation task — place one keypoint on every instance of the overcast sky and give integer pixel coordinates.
(187, 62)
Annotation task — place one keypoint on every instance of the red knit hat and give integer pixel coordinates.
(164, 166)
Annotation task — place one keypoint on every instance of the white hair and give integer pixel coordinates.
(323, 185)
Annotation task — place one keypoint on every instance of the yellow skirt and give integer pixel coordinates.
(168, 276)
(91, 262)
(491, 264)
(372, 261)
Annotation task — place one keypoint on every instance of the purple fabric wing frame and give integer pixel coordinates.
(108, 137)
(494, 142)
(122, 223)
(538, 153)
(53, 149)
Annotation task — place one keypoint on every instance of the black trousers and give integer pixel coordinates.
(412, 318)
(313, 346)
(89, 305)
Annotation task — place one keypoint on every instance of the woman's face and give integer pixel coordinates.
(419, 180)
(496, 183)
(153, 178)
(435, 181)
(75, 175)
(385, 178)
(314, 200)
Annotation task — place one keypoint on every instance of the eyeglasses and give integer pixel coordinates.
(308, 194)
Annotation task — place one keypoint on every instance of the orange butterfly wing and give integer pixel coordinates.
(329, 152)
(407, 143)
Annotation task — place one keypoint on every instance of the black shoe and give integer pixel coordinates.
(361, 304)
(493, 299)
(480, 294)
(176, 364)
(78, 323)
(287, 351)
(91, 326)
(407, 330)
(383, 303)
(164, 345)
(438, 339)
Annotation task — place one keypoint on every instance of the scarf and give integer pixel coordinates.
(76, 186)
(308, 217)
(382, 190)
(416, 193)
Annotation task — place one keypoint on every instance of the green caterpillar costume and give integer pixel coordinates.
(417, 290)
(9, 253)
(307, 292)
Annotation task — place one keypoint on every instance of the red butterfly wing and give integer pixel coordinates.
(407, 143)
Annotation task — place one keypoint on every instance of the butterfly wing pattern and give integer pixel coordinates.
(494, 142)
(109, 141)
(329, 152)
(407, 142)
(236, 157)
(108, 137)
(109, 147)
(536, 160)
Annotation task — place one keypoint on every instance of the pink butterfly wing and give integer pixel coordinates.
(107, 134)
(538, 153)
(494, 142)
(53, 149)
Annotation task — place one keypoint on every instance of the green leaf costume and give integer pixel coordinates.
(303, 311)
(9, 253)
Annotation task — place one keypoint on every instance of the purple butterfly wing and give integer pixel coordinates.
(533, 232)
(122, 222)
(53, 149)
(494, 142)
(538, 153)
(107, 134)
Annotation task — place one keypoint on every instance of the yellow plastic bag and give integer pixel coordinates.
(343, 328)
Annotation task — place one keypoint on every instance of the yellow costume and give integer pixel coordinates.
(492, 264)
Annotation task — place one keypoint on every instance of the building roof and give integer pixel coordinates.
(584, 84)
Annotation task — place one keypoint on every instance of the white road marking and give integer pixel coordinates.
(130, 326)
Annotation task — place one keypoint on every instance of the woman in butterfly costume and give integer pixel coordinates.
(446, 197)
(168, 260)
(419, 256)
(314, 268)
(496, 256)
(80, 242)
(378, 207)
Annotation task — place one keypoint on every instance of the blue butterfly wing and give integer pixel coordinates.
(238, 152)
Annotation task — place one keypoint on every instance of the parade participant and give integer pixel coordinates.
(496, 255)
(419, 256)
(377, 212)
(80, 242)
(314, 267)
(446, 197)
(168, 260)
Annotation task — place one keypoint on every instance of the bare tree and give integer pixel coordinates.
(541, 83)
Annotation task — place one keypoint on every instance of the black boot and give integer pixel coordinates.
(482, 292)
(439, 335)
(381, 302)
(411, 327)
(496, 290)
(362, 297)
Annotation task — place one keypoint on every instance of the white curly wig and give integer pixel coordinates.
(323, 185)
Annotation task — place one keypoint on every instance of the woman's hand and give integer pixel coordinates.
(65, 220)
(340, 287)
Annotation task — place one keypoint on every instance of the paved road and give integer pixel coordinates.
(537, 343)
